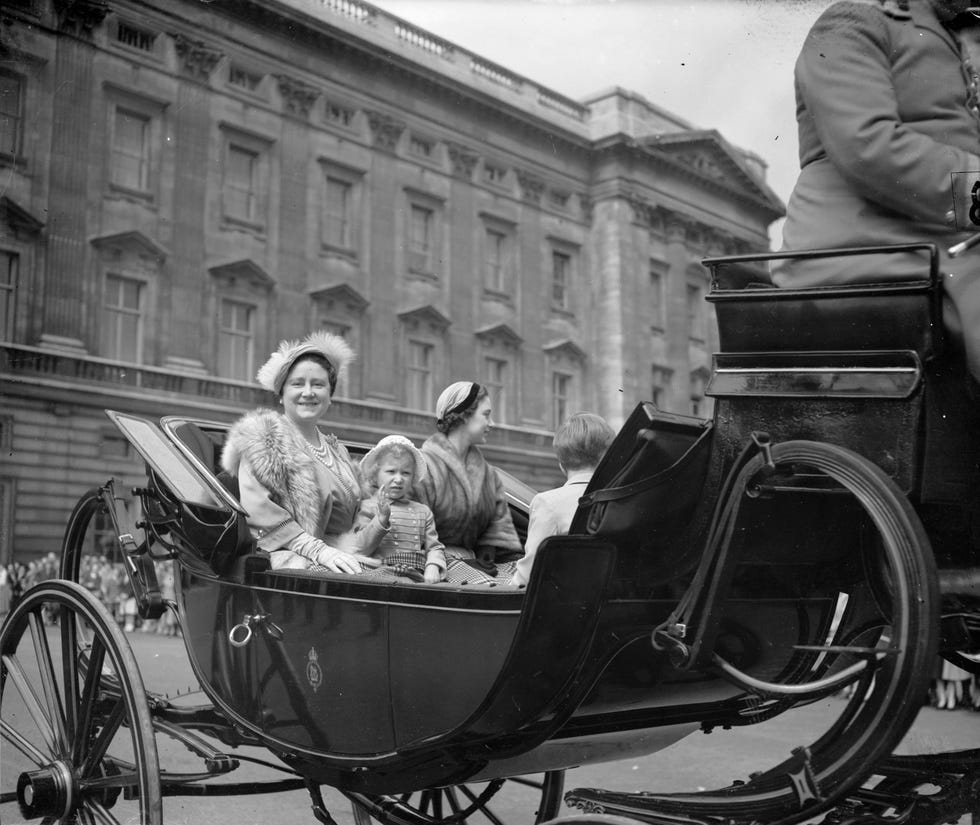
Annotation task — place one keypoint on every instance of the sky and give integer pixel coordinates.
(719, 64)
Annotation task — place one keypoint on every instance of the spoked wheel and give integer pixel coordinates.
(823, 532)
(76, 737)
(499, 801)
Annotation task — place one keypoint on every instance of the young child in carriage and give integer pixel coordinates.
(390, 524)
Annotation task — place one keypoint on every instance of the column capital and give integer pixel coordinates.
(297, 96)
(532, 187)
(385, 129)
(80, 17)
(463, 160)
(197, 59)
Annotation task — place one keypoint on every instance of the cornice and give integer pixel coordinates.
(698, 173)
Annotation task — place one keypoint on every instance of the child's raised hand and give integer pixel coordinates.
(384, 506)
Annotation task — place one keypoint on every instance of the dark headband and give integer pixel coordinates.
(466, 402)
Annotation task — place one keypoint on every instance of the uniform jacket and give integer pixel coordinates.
(883, 123)
(411, 538)
(286, 492)
(467, 500)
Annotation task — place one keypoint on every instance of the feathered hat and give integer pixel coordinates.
(272, 374)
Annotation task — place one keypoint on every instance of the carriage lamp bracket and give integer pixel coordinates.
(241, 634)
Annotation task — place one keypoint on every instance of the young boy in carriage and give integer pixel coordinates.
(390, 524)
(579, 444)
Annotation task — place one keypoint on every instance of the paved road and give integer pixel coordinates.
(699, 761)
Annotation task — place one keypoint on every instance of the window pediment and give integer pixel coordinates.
(246, 270)
(341, 296)
(566, 349)
(132, 241)
(500, 334)
(425, 318)
(18, 218)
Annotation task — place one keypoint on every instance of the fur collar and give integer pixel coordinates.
(274, 450)
(470, 471)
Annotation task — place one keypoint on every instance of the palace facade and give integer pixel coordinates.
(185, 183)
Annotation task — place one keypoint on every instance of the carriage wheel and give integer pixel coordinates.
(487, 803)
(76, 737)
(881, 574)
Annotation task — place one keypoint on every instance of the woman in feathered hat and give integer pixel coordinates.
(299, 486)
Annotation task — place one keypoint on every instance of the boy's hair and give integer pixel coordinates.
(582, 440)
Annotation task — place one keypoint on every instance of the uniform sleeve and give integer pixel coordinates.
(368, 532)
(844, 82)
(435, 550)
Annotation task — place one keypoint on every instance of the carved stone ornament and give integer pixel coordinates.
(386, 130)
(463, 160)
(197, 59)
(79, 17)
(586, 206)
(703, 164)
(297, 96)
(643, 210)
(532, 187)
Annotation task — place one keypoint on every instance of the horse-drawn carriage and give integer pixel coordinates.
(718, 573)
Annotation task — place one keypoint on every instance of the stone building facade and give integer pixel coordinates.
(186, 183)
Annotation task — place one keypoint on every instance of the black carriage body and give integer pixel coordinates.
(382, 688)
(866, 366)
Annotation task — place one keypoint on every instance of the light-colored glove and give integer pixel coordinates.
(336, 560)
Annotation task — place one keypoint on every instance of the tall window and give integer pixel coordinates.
(8, 294)
(122, 326)
(497, 264)
(418, 375)
(561, 390)
(11, 113)
(130, 159)
(421, 239)
(495, 378)
(241, 183)
(656, 298)
(695, 312)
(236, 339)
(338, 213)
(561, 270)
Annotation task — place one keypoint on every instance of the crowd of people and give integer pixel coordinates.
(103, 578)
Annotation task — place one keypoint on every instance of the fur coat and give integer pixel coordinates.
(467, 499)
(284, 489)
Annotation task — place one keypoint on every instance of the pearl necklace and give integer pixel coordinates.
(324, 453)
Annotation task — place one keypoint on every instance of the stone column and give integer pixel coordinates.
(677, 336)
(611, 225)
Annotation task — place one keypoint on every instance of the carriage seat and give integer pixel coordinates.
(229, 553)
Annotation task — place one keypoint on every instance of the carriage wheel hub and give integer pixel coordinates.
(48, 792)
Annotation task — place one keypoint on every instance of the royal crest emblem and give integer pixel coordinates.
(314, 675)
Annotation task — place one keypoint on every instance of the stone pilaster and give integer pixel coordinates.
(188, 309)
(463, 160)
(385, 130)
(297, 97)
(68, 250)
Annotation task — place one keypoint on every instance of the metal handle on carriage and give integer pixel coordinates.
(241, 634)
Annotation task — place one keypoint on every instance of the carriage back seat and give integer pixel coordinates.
(228, 552)
(862, 365)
